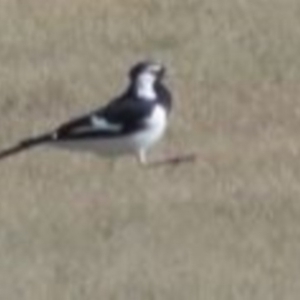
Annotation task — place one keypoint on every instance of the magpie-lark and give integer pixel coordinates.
(129, 124)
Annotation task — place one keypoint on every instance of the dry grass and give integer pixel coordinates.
(226, 227)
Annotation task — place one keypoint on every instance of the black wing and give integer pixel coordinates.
(117, 118)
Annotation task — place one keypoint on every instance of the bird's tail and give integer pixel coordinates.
(26, 145)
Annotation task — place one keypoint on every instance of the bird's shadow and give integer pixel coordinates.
(173, 161)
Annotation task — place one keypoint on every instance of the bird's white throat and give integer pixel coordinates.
(145, 86)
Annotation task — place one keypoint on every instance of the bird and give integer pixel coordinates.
(130, 123)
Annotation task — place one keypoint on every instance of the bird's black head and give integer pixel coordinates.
(147, 68)
(146, 79)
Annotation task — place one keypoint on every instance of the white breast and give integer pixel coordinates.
(155, 127)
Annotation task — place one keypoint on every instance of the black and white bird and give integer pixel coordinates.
(130, 124)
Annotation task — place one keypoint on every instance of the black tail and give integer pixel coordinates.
(26, 145)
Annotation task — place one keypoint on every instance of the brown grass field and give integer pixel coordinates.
(227, 227)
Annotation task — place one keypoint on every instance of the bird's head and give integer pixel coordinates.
(144, 76)
(149, 69)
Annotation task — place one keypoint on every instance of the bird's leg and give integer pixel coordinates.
(142, 157)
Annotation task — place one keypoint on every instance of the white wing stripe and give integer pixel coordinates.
(101, 123)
